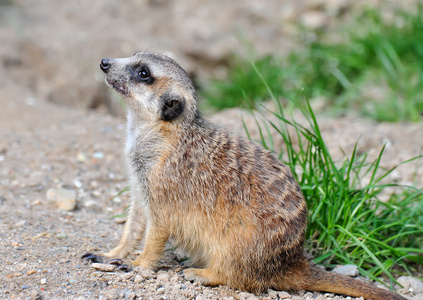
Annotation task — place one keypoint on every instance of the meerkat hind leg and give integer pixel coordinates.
(154, 245)
(204, 276)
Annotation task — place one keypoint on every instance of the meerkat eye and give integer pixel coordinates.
(144, 74)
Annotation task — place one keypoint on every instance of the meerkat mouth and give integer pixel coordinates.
(120, 88)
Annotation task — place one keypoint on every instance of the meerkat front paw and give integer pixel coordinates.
(146, 262)
(204, 276)
(94, 258)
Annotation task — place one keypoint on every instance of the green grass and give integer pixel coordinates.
(348, 223)
(377, 71)
(233, 91)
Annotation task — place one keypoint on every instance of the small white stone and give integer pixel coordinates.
(103, 267)
(64, 198)
(163, 277)
(247, 296)
(20, 223)
(278, 294)
(284, 295)
(138, 279)
(61, 236)
(98, 155)
(348, 270)
(43, 281)
(94, 184)
(125, 276)
(314, 19)
(409, 282)
(81, 157)
(77, 183)
(120, 220)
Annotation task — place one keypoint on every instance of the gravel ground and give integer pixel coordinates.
(45, 146)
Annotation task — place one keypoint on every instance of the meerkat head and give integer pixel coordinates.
(154, 87)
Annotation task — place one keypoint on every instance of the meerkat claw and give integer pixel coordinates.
(92, 258)
(120, 266)
(125, 268)
(116, 261)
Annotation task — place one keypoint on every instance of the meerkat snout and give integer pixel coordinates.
(154, 87)
(105, 64)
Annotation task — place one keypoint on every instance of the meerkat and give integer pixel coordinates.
(229, 203)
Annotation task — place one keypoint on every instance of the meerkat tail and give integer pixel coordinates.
(316, 279)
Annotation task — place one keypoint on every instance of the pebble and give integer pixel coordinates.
(148, 274)
(64, 198)
(125, 276)
(278, 294)
(43, 281)
(347, 270)
(138, 279)
(36, 202)
(13, 274)
(94, 184)
(35, 295)
(111, 294)
(30, 272)
(120, 220)
(20, 223)
(77, 183)
(411, 284)
(246, 296)
(163, 277)
(61, 236)
(314, 19)
(103, 267)
(284, 295)
(90, 203)
(98, 155)
(81, 157)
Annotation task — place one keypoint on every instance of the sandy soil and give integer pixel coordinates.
(47, 146)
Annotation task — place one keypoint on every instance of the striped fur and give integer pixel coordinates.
(229, 203)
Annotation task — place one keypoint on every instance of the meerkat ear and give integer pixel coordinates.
(172, 107)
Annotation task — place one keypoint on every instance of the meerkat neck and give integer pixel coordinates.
(144, 143)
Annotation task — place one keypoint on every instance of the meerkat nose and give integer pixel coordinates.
(105, 64)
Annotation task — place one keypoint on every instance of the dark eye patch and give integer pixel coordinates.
(141, 73)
